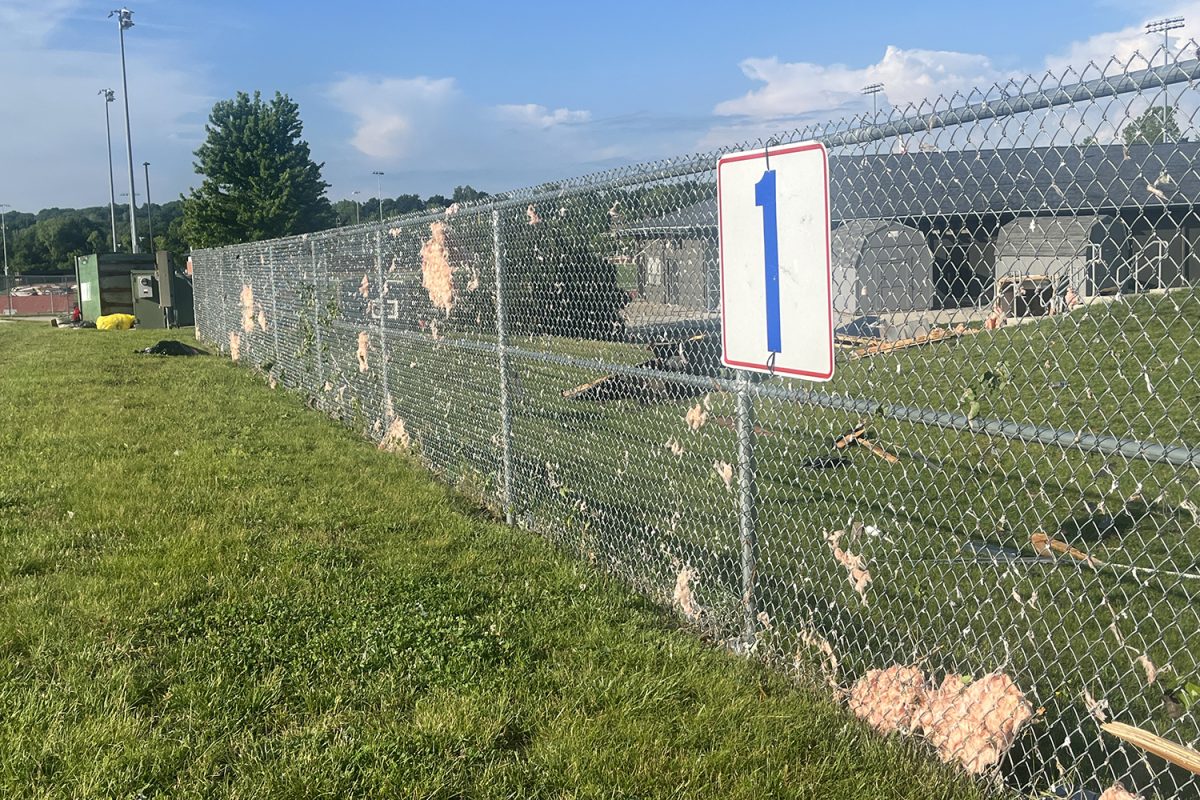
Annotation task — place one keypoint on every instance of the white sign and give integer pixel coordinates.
(776, 277)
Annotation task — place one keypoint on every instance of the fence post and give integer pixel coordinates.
(278, 362)
(747, 518)
(381, 293)
(502, 352)
(320, 387)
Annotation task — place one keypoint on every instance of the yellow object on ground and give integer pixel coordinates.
(115, 322)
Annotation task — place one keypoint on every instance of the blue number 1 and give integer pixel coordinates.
(764, 196)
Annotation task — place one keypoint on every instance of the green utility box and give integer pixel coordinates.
(142, 285)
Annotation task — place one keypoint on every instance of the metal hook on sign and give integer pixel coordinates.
(771, 364)
(767, 152)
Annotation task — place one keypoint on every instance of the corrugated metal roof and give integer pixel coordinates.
(1041, 180)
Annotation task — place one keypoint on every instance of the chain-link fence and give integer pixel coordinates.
(37, 295)
(982, 533)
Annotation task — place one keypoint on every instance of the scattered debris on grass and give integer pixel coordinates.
(1149, 667)
(396, 439)
(1098, 709)
(725, 470)
(829, 661)
(695, 417)
(856, 569)
(975, 723)
(1169, 751)
(889, 699)
(235, 345)
(1045, 545)
(364, 340)
(171, 347)
(1118, 792)
(364, 288)
(683, 593)
(935, 335)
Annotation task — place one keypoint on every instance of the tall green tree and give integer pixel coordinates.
(260, 181)
(1148, 128)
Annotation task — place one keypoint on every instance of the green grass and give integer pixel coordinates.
(209, 590)
(604, 481)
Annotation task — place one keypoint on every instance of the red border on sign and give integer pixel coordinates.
(828, 259)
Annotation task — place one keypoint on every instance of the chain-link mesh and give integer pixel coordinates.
(981, 533)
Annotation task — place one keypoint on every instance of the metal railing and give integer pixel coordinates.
(981, 533)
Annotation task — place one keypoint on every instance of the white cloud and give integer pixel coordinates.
(428, 135)
(390, 114)
(800, 89)
(541, 117)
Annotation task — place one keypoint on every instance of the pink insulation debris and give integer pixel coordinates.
(975, 723)
(972, 723)
(396, 438)
(683, 593)
(437, 276)
(696, 417)
(1118, 792)
(889, 699)
(364, 288)
(247, 302)
(235, 345)
(856, 565)
(364, 340)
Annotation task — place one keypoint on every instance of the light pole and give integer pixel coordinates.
(379, 191)
(1165, 26)
(125, 20)
(149, 218)
(357, 206)
(109, 96)
(873, 89)
(4, 236)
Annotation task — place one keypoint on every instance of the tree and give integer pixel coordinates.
(1148, 128)
(260, 181)
(467, 194)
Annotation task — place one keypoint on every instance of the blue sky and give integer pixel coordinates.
(498, 95)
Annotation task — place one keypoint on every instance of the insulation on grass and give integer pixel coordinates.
(1149, 667)
(235, 345)
(889, 699)
(696, 417)
(364, 340)
(1118, 792)
(396, 438)
(364, 288)
(436, 273)
(683, 593)
(829, 659)
(247, 303)
(975, 723)
(725, 470)
(262, 320)
(856, 565)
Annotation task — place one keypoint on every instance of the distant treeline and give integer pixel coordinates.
(49, 241)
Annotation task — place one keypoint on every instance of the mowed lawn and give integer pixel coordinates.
(208, 590)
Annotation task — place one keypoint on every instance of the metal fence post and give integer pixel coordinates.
(383, 357)
(502, 352)
(747, 518)
(320, 387)
(274, 306)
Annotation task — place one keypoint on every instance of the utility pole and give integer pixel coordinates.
(379, 191)
(1165, 26)
(873, 89)
(4, 236)
(125, 20)
(110, 96)
(149, 218)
